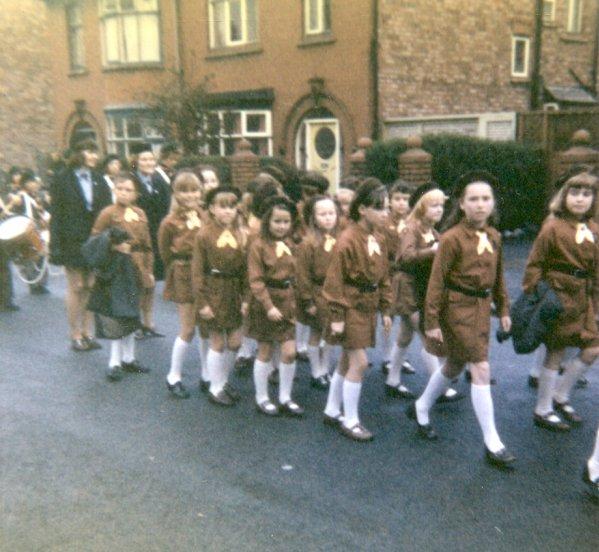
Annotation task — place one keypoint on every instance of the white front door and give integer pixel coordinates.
(322, 148)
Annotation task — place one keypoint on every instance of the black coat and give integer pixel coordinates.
(71, 222)
(533, 316)
(156, 206)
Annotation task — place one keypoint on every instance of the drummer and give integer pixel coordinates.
(6, 288)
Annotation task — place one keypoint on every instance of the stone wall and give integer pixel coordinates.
(26, 112)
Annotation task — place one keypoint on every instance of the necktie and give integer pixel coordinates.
(282, 249)
(583, 233)
(401, 226)
(226, 239)
(131, 215)
(373, 246)
(86, 187)
(483, 243)
(193, 221)
(329, 242)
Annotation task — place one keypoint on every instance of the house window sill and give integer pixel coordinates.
(573, 37)
(234, 51)
(78, 72)
(309, 41)
(519, 79)
(133, 67)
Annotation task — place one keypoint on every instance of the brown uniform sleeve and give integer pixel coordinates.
(436, 285)
(305, 286)
(408, 253)
(256, 276)
(165, 238)
(333, 289)
(533, 272)
(198, 277)
(103, 222)
(386, 295)
(500, 296)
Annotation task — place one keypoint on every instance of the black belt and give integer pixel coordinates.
(180, 257)
(481, 293)
(221, 273)
(278, 284)
(571, 271)
(364, 287)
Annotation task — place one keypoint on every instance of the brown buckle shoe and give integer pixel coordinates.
(291, 408)
(357, 432)
(79, 345)
(222, 398)
(268, 408)
(552, 425)
(568, 412)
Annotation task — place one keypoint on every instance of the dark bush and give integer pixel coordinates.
(291, 187)
(521, 170)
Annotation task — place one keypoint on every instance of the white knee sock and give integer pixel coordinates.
(351, 400)
(261, 373)
(436, 386)
(325, 358)
(482, 403)
(537, 362)
(302, 334)
(216, 373)
(431, 362)
(573, 369)
(128, 348)
(180, 347)
(547, 380)
(247, 348)
(314, 356)
(203, 348)
(286, 375)
(397, 358)
(593, 462)
(335, 397)
(115, 352)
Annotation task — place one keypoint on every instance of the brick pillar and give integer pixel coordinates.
(415, 164)
(244, 163)
(357, 160)
(579, 152)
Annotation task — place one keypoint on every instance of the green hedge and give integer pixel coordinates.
(521, 170)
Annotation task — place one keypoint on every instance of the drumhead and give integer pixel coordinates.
(14, 227)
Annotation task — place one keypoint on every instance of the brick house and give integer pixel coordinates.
(26, 108)
(306, 79)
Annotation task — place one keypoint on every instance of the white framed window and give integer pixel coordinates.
(574, 24)
(548, 10)
(520, 56)
(75, 36)
(232, 22)
(130, 31)
(128, 126)
(317, 16)
(226, 127)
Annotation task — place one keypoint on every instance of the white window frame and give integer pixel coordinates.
(575, 26)
(129, 113)
(228, 41)
(320, 28)
(119, 14)
(244, 113)
(549, 16)
(526, 40)
(75, 29)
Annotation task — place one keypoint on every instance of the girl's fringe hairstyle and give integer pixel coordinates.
(585, 179)
(183, 179)
(272, 203)
(308, 211)
(417, 212)
(371, 193)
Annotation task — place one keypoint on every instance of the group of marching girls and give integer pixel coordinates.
(253, 270)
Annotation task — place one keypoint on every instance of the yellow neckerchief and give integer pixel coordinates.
(583, 233)
(131, 215)
(373, 246)
(401, 226)
(282, 249)
(193, 220)
(329, 242)
(227, 239)
(483, 242)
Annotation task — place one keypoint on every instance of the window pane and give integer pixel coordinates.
(134, 128)
(259, 145)
(519, 56)
(232, 122)
(117, 127)
(327, 15)
(111, 39)
(130, 38)
(230, 144)
(255, 123)
(219, 24)
(252, 21)
(213, 126)
(121, 150)
(312, 15)
(127, 5)
(235, 21)
(149, 38)
(548, 7)
(214, 146)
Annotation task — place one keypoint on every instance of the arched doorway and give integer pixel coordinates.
(318, 144)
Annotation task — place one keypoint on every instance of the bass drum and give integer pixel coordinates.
(21, 239)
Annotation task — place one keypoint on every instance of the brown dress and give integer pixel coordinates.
(414, 262)
(394, 231)
(219, 275)
(175, 243)
(357, 285)
(554, 253)
(133, 220)
(271, 280)
(313, 258)
(465, 319)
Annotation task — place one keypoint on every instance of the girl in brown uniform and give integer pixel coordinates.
(466, 276)
(356, 287)
(271, 318)
(566, 255)
(132, 220)
(313, 258)
(219, 284)
(176, 236)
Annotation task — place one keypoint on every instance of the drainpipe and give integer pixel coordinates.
(178, 46)
(595, 52)
(374, 70)
(536, 79)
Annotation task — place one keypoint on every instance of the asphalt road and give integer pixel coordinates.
(88, 465)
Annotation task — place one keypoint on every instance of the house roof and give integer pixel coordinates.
(571, 94)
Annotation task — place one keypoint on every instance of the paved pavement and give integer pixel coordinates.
(87, 465)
